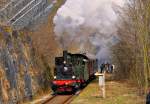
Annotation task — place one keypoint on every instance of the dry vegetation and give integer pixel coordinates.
(132, 53)
(117, 92)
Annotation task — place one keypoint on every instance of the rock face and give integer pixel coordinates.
(3, 2)
(26, 60)
(20, 74)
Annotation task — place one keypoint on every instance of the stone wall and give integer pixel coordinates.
(20, 73)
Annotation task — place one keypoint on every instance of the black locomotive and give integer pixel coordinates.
(72, 71)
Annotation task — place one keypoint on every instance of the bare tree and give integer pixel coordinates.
(132, 51)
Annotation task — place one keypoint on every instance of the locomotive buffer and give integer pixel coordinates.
(101, 83)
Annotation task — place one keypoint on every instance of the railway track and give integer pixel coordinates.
(63, 99)
(59, 99)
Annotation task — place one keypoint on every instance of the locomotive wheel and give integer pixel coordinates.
(54, 88)
(83, 85)
(74, 90)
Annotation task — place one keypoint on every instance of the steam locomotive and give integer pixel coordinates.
(72, 72)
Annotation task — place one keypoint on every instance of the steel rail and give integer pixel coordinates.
(52, 99)
(49, 99)
(67, 101)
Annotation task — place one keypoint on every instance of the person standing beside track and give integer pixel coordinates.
(112, 68)
(102, 68)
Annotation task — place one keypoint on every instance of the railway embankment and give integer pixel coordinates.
(117, 92)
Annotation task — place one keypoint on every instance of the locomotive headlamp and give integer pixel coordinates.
(84, 60)
(73, 77)
(55, 77)
(64, 62)
(65, 68)
(66, 83)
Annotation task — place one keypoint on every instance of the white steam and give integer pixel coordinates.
(84, 21)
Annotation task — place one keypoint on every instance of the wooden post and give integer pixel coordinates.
(102, 83)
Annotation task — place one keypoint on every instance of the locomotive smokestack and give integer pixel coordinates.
(65, 55)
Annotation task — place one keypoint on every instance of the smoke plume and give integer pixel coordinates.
(87, 21)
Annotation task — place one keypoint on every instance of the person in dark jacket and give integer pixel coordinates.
(102, 68)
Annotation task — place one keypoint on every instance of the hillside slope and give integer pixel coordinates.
(26, 60)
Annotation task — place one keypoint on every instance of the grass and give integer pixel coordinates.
(117, 92)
